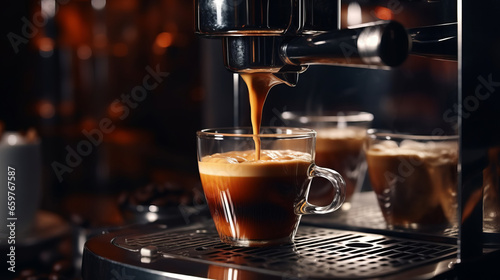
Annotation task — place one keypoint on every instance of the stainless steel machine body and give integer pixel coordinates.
(284, 37)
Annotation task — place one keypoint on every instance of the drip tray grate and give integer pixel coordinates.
(316, 253)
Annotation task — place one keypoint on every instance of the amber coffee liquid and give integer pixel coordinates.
(254, 200)
(415, 184)
(258, 85)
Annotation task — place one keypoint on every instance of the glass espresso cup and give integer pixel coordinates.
(259, 201)
(339, 146)
(414, 178)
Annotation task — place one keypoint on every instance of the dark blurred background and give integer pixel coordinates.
(68, 65)
(114, 92)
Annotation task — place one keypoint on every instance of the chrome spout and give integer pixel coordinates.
(371, 45)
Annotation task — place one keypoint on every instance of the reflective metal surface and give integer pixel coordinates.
(318, 253)
(437, 41)
(265, 18)
(246, 17)
(286, 36)
(380, 43)
(353, 244)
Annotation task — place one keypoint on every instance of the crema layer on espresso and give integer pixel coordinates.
(243, 163)
(431, 152)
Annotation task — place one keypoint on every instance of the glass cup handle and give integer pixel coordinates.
(338, 184)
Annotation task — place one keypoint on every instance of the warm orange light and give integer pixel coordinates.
(120, 49)
(383, 13)
(163, 40)
(84, 52)
(46, 44)
(88, 123)
(46, 109)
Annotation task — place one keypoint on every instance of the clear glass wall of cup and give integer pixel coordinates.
(491, 192)
(339, 146)
(414, 178)
(259, 202)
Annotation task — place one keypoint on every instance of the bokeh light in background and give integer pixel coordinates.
(84, 56)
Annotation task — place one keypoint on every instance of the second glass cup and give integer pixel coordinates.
(339, 146)
(414, 178)
(258, 199)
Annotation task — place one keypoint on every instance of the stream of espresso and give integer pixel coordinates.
(258, 85)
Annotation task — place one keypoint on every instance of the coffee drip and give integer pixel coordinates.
(259, 85)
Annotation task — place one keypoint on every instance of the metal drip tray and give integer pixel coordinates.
(365, 216)
(318, 253)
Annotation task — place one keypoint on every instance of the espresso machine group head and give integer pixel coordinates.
(283, 37)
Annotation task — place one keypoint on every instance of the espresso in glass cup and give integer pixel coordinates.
(259, 200)
(414, 178)
(339, 146)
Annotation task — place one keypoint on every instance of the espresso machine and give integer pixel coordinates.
(286, 37)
